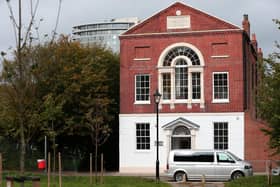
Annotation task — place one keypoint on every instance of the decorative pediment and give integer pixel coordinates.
(180, 17)
(181, 122)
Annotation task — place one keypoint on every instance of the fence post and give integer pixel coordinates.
(10, 182)
(184, 178)
(0, 169)
(45, 152)
(36, 182)
(59, 166)
(90, 168)
(203, 180)
(49, 169)
(269, 181)
(102, 160)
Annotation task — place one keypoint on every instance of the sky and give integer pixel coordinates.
(75, 12)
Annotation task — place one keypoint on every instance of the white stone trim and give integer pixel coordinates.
(239, 28)
(142, 59)
(210, 14)
(178, 22)
(220, 56)
(168, 48)
(220, 101)
(185, 32)
(142, 102)
(182, 114)
(171, 69)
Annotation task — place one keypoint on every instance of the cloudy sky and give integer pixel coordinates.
(75, 12)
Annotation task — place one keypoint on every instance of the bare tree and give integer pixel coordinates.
(22, 84)
(96, 119)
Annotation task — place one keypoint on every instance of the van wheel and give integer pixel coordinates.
(237, 175)
(179, 176)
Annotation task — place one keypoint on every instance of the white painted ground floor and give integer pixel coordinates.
(176, 131)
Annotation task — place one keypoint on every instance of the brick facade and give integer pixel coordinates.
(224, 47)
(233, 64)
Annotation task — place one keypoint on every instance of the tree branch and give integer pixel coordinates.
(56, 22)
(33, 14)
(12, 17)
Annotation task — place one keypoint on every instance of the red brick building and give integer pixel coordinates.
(206, 70)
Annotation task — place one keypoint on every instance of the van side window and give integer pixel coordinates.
(195, 157)
(223, 157)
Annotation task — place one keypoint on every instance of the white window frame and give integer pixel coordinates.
(150, 143)
(171, 69)
(196, 85)
(228, 129)
(191, 69)
(161, 79)
(175, 66)
(135, 90)
(213, 91)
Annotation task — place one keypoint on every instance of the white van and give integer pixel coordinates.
(213, 164)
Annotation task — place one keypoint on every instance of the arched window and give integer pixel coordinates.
(181, 75)
(181, 51)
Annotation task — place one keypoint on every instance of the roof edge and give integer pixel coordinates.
(173, 4)
(185, 32)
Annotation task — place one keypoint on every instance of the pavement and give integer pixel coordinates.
(196, 184)
(171, 182)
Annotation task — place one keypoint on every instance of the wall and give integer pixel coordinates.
(132, 160)
(233, 63)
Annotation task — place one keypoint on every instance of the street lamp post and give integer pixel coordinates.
(157, 97)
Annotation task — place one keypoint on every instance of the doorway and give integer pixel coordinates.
(181, 138)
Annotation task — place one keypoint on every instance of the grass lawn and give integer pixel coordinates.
(255, 181)
(109, 181)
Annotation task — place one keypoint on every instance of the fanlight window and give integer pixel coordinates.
(181, 130)
(181, 51)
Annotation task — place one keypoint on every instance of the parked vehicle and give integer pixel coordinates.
(212, 164)
(276, 171)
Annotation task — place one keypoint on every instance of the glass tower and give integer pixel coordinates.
(103, 33)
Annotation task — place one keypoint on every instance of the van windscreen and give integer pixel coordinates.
(195, 157)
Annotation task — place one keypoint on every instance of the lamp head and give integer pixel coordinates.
(157, 96)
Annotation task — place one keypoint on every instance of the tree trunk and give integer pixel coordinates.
(96, 154)
(54, 153)
(21, 121)
(22, 147)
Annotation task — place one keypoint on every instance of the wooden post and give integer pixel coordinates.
(203, 180)
(269, 182)
(184, 178)
(36, 182)
(49, 169)
(90, 168)
(59, 166)
(10, 182)
(102, 160)
(0, 169)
